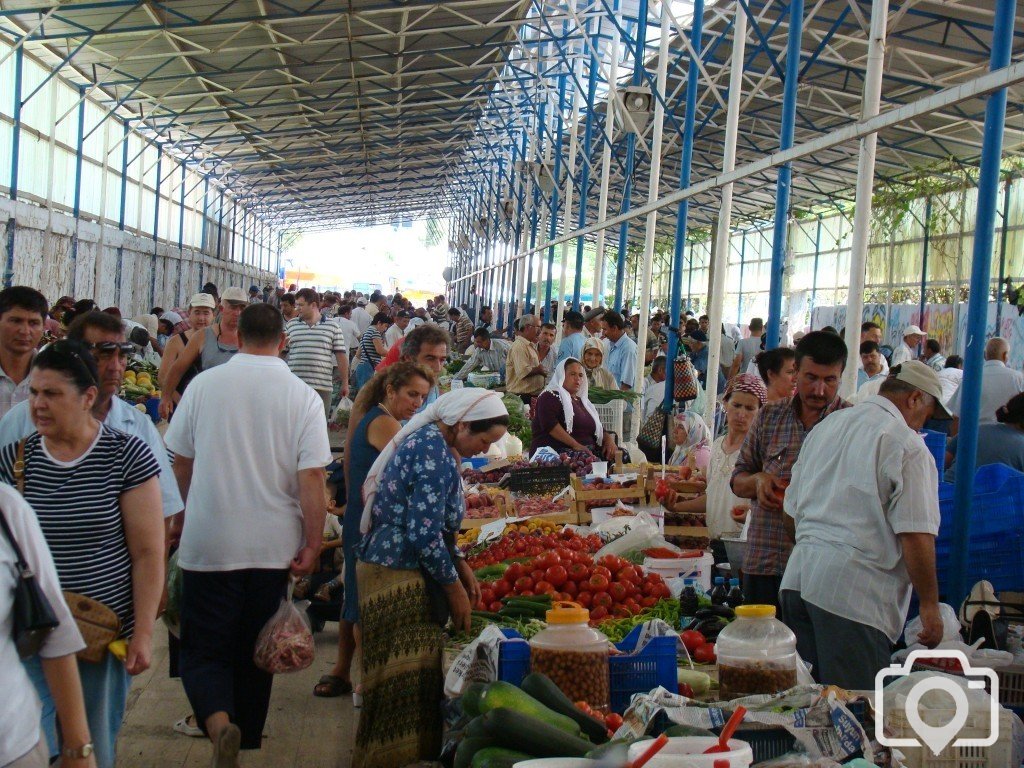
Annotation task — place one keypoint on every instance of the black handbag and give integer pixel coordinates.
(34, 618)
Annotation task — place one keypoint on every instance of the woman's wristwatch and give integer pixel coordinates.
(80, 753)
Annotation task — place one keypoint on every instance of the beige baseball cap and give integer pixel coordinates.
(202, 300)
(923, 377)
(913, 330)
(236, 294)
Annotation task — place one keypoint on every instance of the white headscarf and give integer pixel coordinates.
(470, 404)
(697, 435)
(557, 388)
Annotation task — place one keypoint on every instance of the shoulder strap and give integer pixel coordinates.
(19, 468)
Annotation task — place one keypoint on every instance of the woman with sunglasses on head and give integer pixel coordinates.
(96, 496)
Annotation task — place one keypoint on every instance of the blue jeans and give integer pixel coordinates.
(364, 372)
(105, 690)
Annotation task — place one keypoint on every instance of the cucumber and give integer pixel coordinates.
(471, 698)
(476, 728)
(550, 695)
(699, 682)
(497, 757)
(518, 731)
(468, 747)
(539, 610)
(500, 695)
(687, 730)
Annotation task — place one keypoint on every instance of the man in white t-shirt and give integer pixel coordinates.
(361, 317)
(998, 382)
(907, 349)
(750, 347)
(396, 332)
(349, 328)
(254, 512)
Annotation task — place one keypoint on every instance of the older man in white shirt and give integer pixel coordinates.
(864, 503)
(907, 349)
(998, 383)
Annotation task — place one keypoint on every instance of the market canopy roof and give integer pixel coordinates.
(327, 113)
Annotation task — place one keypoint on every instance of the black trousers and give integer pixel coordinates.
(761, 590)
(222, 612)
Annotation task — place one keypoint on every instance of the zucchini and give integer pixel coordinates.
(539, 610)
(471, 698)
(476, 728)
(501, 695)
(468, 747)
(515, 730)
(699, 682)
(497, 757)
(542, 599)
(550, 695)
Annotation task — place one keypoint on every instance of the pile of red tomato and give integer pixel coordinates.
(612, 721)
(515, 545)
(610, 588)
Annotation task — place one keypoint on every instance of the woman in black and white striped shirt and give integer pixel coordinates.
(95, 493)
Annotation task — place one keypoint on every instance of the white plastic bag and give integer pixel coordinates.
(950, 625)
(342, 412)
(285, 644)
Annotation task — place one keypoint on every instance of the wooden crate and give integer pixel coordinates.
(687, 487)
(608, 497)
(504, 505)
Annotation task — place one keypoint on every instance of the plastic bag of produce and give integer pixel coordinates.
(285, 644)
(172, 612)
(950, 625)
(342, 412)
(643, 534)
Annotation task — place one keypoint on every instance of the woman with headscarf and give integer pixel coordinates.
(744, 397)
(692, 440)
(411, 576)
(564, 418)
(593, 365)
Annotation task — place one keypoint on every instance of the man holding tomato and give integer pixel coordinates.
(769, 452)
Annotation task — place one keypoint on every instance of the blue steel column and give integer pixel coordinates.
(553, 216)
(817, 254)
(15, 150)
(627, 186)
(977, 308)
(156, 227)
(76, 206)
(581, 220)
(676, 291)
(785, 178)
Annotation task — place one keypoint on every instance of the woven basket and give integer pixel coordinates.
(98, 624)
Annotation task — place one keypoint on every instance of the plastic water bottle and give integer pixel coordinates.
(719, 593)
(735, 596)
(688, 604)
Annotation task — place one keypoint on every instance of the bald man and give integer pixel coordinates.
(998, 383)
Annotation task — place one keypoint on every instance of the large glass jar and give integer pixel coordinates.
(573, 654)
(756, 654)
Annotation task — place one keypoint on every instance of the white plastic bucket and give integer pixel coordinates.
(683, 567)
(686, 752)
(558, 762)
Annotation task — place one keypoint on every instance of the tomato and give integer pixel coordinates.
(501, 588)
(564, 555)
(626, 574)
(662, 591)
(598, 582)
(620, 612)
(649, 589)
(537, 575)
(633, 606)
(534, 551)
(603, 600)
(514, 572)
(495, 607)
(575, 545)
(685, 690)
(557, 575)
(618, 591)
(648, 602)
(487, 596)
(613, 721)
(546, 560)
(543, 588)
(520, 546)
(523, 584)
(692, 639)
(565, 597)
(598, 613)
(585, 599)
(601, 570)
(578, 572)
(571, 589)
(527, 593)
(705, 654)
(584, 558)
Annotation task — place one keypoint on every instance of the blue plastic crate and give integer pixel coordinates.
(513, 658)
(936, 443)
(628, 674)
(995, 550)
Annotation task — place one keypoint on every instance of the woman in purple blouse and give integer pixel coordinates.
(564, 418)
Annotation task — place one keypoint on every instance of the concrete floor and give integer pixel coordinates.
(302, 730)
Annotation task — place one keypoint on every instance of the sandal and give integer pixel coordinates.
(331, 686)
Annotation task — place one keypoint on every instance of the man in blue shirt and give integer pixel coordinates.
(622, 350)
(104, 335)
(871, 363)
(572, 337)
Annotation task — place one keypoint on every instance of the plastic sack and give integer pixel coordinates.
(172, 611)
(950, 626)
(342, 412)
(285, 644)
(643, 534)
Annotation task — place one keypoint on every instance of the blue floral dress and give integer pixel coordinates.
(419, 499)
